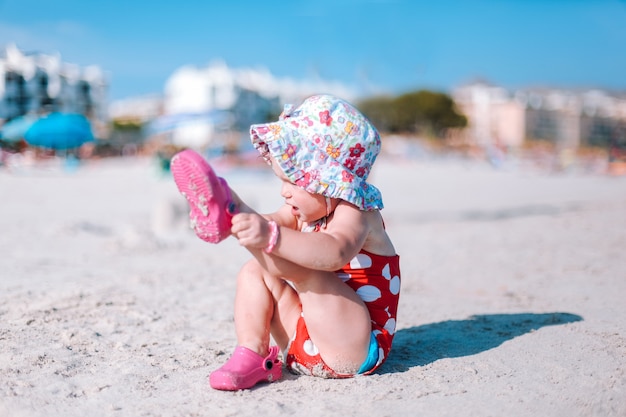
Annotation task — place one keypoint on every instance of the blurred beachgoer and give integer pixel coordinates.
(324, 278)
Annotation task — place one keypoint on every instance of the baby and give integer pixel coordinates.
(324, 278)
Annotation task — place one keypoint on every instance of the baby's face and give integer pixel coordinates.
(307, 207)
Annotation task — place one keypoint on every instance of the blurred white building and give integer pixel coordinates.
(38, 83)
(198, 102)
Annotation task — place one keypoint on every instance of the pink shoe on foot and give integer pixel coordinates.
(208, 195)
(246, 368)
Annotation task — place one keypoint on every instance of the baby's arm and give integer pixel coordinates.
(331, 248)
(327, 250)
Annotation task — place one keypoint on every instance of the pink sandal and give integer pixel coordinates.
(208, 195)
(246, 368)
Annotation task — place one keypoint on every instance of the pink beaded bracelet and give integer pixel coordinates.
(274, 232)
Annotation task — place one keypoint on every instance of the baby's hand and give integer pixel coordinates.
(252, 230)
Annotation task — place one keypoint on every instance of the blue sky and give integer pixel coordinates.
(376, 45)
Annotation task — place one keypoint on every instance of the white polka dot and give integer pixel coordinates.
(361, 261)
(386, 272)
(394, 285)
(368, 293)
(343, 276)
(310, 348)
(381, 356)
(390, 326)
(376, 332)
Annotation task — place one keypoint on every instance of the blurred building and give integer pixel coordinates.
(568, 119)
(493, 115)
(199, 103)
(136, 109)
(129, 118)
(38, 83)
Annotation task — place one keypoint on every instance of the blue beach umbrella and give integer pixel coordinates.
(15, 130)
(60, 131)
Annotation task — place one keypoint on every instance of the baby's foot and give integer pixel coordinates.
(210, 202)
(246, 368)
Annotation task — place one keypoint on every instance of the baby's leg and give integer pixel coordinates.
(338, 321)
(264, 303)
(256, 312)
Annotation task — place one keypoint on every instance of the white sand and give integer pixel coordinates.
(512, 304)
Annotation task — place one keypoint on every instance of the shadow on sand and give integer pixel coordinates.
(421, 345)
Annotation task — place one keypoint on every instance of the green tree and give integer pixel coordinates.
(380, 110)
(427, 112)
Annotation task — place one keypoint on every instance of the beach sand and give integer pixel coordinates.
(512, 301)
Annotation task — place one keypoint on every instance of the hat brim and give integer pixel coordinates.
(283, 143)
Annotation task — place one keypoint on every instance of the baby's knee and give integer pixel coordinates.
(253, 271)
(251, 268)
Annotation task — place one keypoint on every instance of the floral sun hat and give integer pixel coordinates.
(326, 147)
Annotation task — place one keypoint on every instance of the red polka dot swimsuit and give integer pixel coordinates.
(376, 280)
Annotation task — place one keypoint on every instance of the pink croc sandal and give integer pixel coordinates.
(246, 368)
(208, 195)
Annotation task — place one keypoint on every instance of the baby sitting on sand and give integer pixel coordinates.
(324, 278)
